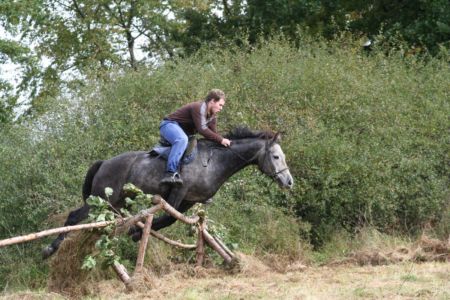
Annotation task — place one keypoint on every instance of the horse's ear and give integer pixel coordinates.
(275, 139)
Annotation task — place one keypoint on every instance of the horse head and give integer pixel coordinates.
(272, 162)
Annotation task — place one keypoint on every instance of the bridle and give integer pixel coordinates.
(273, 175)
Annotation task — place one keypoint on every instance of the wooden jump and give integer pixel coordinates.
(144, 220)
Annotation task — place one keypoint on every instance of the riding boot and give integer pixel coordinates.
(172, 178)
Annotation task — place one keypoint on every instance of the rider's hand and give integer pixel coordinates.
(226, 142)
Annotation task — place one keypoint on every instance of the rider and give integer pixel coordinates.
(194, 117)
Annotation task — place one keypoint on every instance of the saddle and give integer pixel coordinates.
(162, 150)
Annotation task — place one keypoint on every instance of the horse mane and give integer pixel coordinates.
(243, 132)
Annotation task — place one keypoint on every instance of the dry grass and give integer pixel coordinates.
(419, 269)
(379, 268)
(425, 249)
(430, 280)
(66, 276)
(403, 281)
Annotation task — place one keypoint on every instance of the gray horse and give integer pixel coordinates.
(202, 178)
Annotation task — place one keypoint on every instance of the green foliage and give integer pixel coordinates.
(11, 52)
(417, 26)
(82, 39)
(106, 245)
(86, 39)
(136, 200)
(245, 218)
(366, 140)
(109, 245)
(420, 23)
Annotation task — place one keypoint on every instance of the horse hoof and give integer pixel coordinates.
(136, 237)
(133, 230)
(47, 252)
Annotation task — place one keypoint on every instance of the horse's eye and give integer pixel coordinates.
(276, 157)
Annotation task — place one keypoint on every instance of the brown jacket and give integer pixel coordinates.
(193, 118)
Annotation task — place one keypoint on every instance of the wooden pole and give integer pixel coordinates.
(200, 253)
(126, 222)
(37, 235)
(222, 244)
(142, 214)
(121, 271)
(41, 234)
(211, 242)
(172, 242)
(167, 240)
(173, 212)
(143, 244)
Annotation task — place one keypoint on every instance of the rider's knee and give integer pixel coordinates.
(182, 141)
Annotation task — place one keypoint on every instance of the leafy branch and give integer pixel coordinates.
(101, 210)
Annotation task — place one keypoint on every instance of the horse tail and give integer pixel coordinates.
(87, 185)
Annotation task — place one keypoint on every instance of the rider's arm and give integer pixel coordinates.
(208, 130)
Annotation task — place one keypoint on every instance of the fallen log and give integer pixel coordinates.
(172, 242)
(167, 240)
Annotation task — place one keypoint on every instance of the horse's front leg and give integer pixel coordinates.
(167, 220)
(74, 218)
(175, 199)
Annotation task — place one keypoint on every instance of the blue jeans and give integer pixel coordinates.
(175, 135)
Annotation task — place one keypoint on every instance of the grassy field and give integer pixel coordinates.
(429, 280)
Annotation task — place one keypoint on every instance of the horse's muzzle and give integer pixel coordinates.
(285, 179)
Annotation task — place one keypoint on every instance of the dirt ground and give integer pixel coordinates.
(430, 280)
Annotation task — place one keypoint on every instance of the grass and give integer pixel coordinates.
(341, 282)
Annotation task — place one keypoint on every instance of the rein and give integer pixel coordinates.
(239, 155)
(243, 158)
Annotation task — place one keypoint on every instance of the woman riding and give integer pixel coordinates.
(201, 117)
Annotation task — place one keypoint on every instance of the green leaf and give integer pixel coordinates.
(125, 212)
(100, 218)
(89, 263)
(92, 200)
(129, 201)
(442, 27)
(108, 192)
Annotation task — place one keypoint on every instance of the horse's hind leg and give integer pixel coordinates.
(74, 218)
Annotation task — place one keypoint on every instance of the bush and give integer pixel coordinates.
(366, 139)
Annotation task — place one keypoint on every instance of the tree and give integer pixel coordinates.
(421, 23)
(77, 39)
(11, 53)
(424, 23)
(224, 21)
(82, 38)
